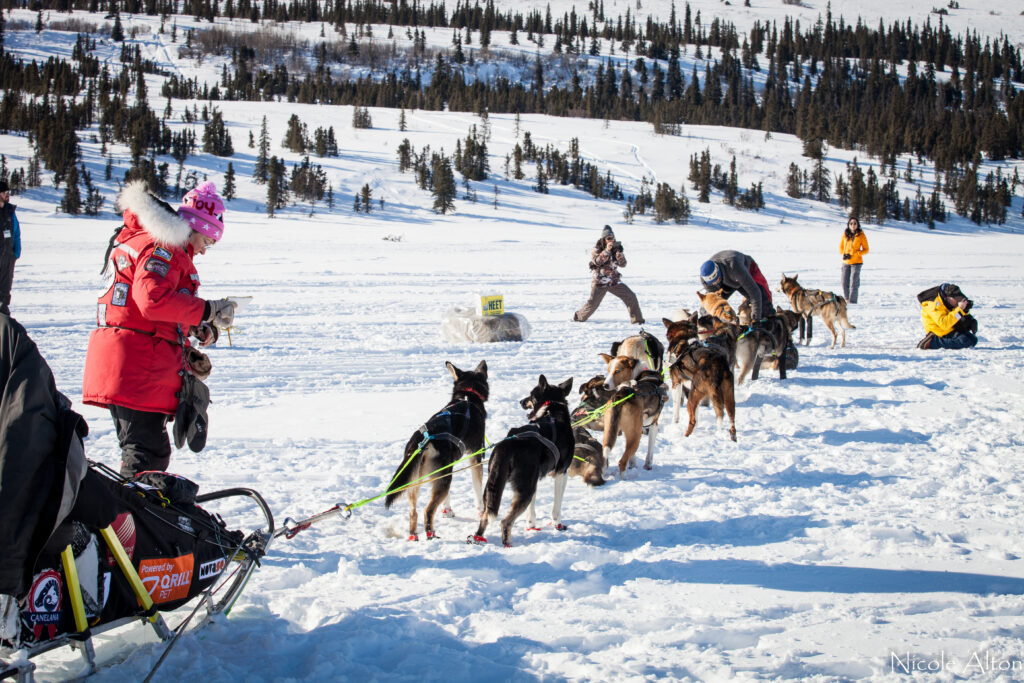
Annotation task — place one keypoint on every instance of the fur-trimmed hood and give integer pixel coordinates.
(144, 211)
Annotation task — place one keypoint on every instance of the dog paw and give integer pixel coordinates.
(559, 526)
(476, 540)
(414, 537)
(648, 467)
(533, 528)
(432, 536)
(448, 513)
(507, 545)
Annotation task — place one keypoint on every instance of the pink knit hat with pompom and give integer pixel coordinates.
(203, 210)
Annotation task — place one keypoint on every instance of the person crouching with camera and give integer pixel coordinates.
(945, 313)
(605, 260)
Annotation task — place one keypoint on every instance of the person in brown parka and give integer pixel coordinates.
(605, 260)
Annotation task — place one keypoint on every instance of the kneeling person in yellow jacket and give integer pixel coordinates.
(946, 318)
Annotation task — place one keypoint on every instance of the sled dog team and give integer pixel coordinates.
(628, 399)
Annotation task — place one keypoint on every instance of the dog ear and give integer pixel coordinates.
(481, 368)
(667, 322)
(606, 357)
(701, 295)
(566, 386)
(542, 382)
(454, 371)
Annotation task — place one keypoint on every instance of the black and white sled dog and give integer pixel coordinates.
(449, 435)
(528, 454)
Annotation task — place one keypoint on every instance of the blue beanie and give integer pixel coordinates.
(710, 273)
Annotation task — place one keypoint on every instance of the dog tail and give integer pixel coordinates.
(841, 305)
(498, 472)
(611, 425)
(404, 474)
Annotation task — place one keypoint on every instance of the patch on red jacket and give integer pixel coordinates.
(160, 252)
(120, 295)
(155, 265)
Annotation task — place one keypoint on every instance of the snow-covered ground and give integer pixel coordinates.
(871, 506)
(867, 523)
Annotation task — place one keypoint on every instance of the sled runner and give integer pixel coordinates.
(163, 551)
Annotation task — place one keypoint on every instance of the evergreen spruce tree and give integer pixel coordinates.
(821, 182)
(260, 168)
(794, 183)
(442, 184)
(117, 32)
(72, 201)
(366, 197)
(295, 136)
(216, 139)
(228, 191)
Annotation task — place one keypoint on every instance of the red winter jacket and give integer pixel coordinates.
(134, 356)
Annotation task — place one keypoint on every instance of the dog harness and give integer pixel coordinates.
(545, 430)
(442, 425)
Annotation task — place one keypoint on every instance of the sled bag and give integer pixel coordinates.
(178, 550)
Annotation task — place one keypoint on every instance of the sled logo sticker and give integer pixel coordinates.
(44, 600)
(120, 296)
(208, 570)
(167, 578)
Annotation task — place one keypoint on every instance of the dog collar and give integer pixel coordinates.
(471, 390)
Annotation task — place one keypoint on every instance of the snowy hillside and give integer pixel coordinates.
(866, 524)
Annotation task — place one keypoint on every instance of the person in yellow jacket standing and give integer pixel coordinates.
(853, 246)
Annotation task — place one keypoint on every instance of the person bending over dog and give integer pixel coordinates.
(730, 271)
(945, 314)
(605, 260)
(136, 357)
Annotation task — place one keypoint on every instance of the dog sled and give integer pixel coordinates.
(163, 551)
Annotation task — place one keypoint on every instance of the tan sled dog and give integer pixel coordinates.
(646, 396)
(717, 307)
(831, 308)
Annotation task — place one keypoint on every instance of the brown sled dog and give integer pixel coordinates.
(450, 434)
(645, 395)
(810, 302)
(593, 396)
(588, 459)
(705, 368)
(679, 334)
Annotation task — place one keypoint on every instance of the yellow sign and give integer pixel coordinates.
(492, 305)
